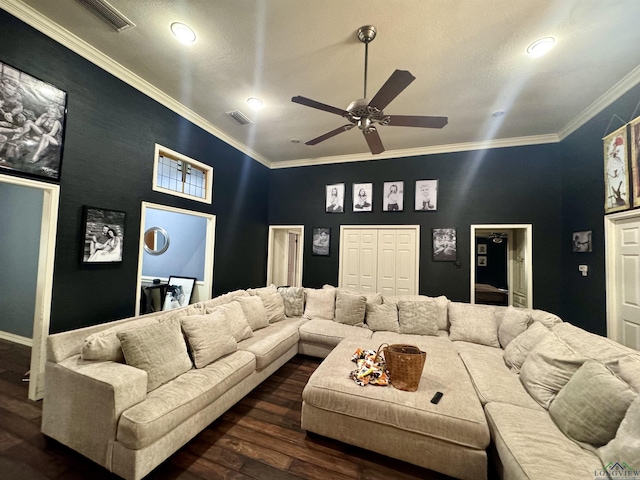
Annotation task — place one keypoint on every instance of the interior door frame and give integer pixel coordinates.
(611, 288)
(299, 230)
(210, 237)
(345, 228)
(528, 260)
(44, 285)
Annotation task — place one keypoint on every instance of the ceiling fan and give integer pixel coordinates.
(365, 113)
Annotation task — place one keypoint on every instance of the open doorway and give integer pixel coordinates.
(284, 257)
(501, 265)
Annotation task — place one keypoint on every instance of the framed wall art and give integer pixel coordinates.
(362, 197)
(426, 195)
(581, 241)
(444, 245)
(482, 261)
(321, 242)
(334, 198)
(635, 161)
(179, 292)
(616, 172)
(482, 249)
(32, 124)
(102, 235)
(393, 197)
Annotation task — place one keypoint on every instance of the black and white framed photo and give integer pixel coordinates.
(321, 241)
(334, 202)
(582, 241)
(482, 249)
(32, 124)
(482, 261)
(426, 195)
(393, 199)
(444, 245)
(179, 292)
(103, 235)
(362, 197)
(616, 171)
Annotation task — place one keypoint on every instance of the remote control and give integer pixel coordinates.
(436, 398)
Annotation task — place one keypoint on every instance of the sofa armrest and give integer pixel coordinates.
(83, 401)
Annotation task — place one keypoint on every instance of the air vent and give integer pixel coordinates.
(108, 14)
(239, 117)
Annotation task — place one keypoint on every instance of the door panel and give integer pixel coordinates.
(405, 263)
(628, 281)
(368, 260)
(351, 266)
(387, 262)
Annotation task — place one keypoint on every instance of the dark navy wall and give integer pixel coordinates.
(507, 185)
(108, 162)
(495, 272)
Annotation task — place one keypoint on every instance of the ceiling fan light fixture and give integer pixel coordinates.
(541, 46)
(183, 32)
(255, 103)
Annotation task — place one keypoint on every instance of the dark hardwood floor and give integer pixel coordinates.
(259, 438)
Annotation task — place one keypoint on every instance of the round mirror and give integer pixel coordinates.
(156, 241)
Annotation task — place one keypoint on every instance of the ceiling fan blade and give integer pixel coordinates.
(320, 106)
(397, 82)
(417, 121)
(330, 134)
(373, 140)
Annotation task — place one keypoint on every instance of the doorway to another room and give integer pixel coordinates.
(284, 256)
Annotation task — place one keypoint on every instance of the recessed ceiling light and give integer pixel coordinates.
(540, 47)
(295, 140)
(183, 33)
(497, 113)
(255, 103)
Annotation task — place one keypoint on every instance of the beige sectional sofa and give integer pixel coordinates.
(539, 381)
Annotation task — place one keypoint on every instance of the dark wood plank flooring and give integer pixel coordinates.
(259, 438)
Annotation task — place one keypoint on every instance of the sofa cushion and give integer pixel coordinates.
(418, 317)
(374, 298)
(272, 301)
(235, 321)
(590, 407)
(626, 444)
(157, 349)
(383, 317)
(531, 446)
(105, 345)
(628, 369)
(320, 303)
(330, 333)
(441, 301)
(224, 299)
(520, 347)
(207, 339)
(350, 308)
(593, 346)
(171, 404)
(473, 323)
(293, 299)
(512, 321)
(549, 320)
(271, 343)
(548, 368)
(254, 312)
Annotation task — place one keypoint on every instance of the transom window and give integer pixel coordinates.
(177, 174)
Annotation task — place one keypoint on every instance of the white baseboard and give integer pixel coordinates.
(12, 337)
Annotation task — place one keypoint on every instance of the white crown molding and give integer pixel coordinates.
(623, 86)
(414, 152)
(95, 56)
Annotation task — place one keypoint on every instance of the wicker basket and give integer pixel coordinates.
(405, 364)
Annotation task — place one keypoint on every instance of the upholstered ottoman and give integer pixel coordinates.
(450, 437)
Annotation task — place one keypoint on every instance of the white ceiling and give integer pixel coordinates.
(468, 56)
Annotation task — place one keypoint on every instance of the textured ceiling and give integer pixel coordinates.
(468, 56)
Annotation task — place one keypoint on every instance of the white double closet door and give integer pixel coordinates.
(380, 259)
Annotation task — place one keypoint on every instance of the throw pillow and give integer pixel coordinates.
(158, 349)
(105, 345)
(626, 444)
(272, 300)
(628, 369)
(207, 338)
(545, 318)
(254, 312)
(223, 299)
(418, 317)
(293, 298)
(236, 322)
(548, 368)
(590, 407)
(321, 303)
(512, 321)
(473, 323)
(520, 347)
(441, 301)
(350, 308)
(382, 317)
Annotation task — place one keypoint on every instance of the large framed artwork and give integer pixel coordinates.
(179, 292)
(444, 245)
(362, 197)
(32, 123)
(426, 195)
(103, 235)
(635, 160)
(321, 241)
(334, 198)
(616, 172)
(393, 197)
